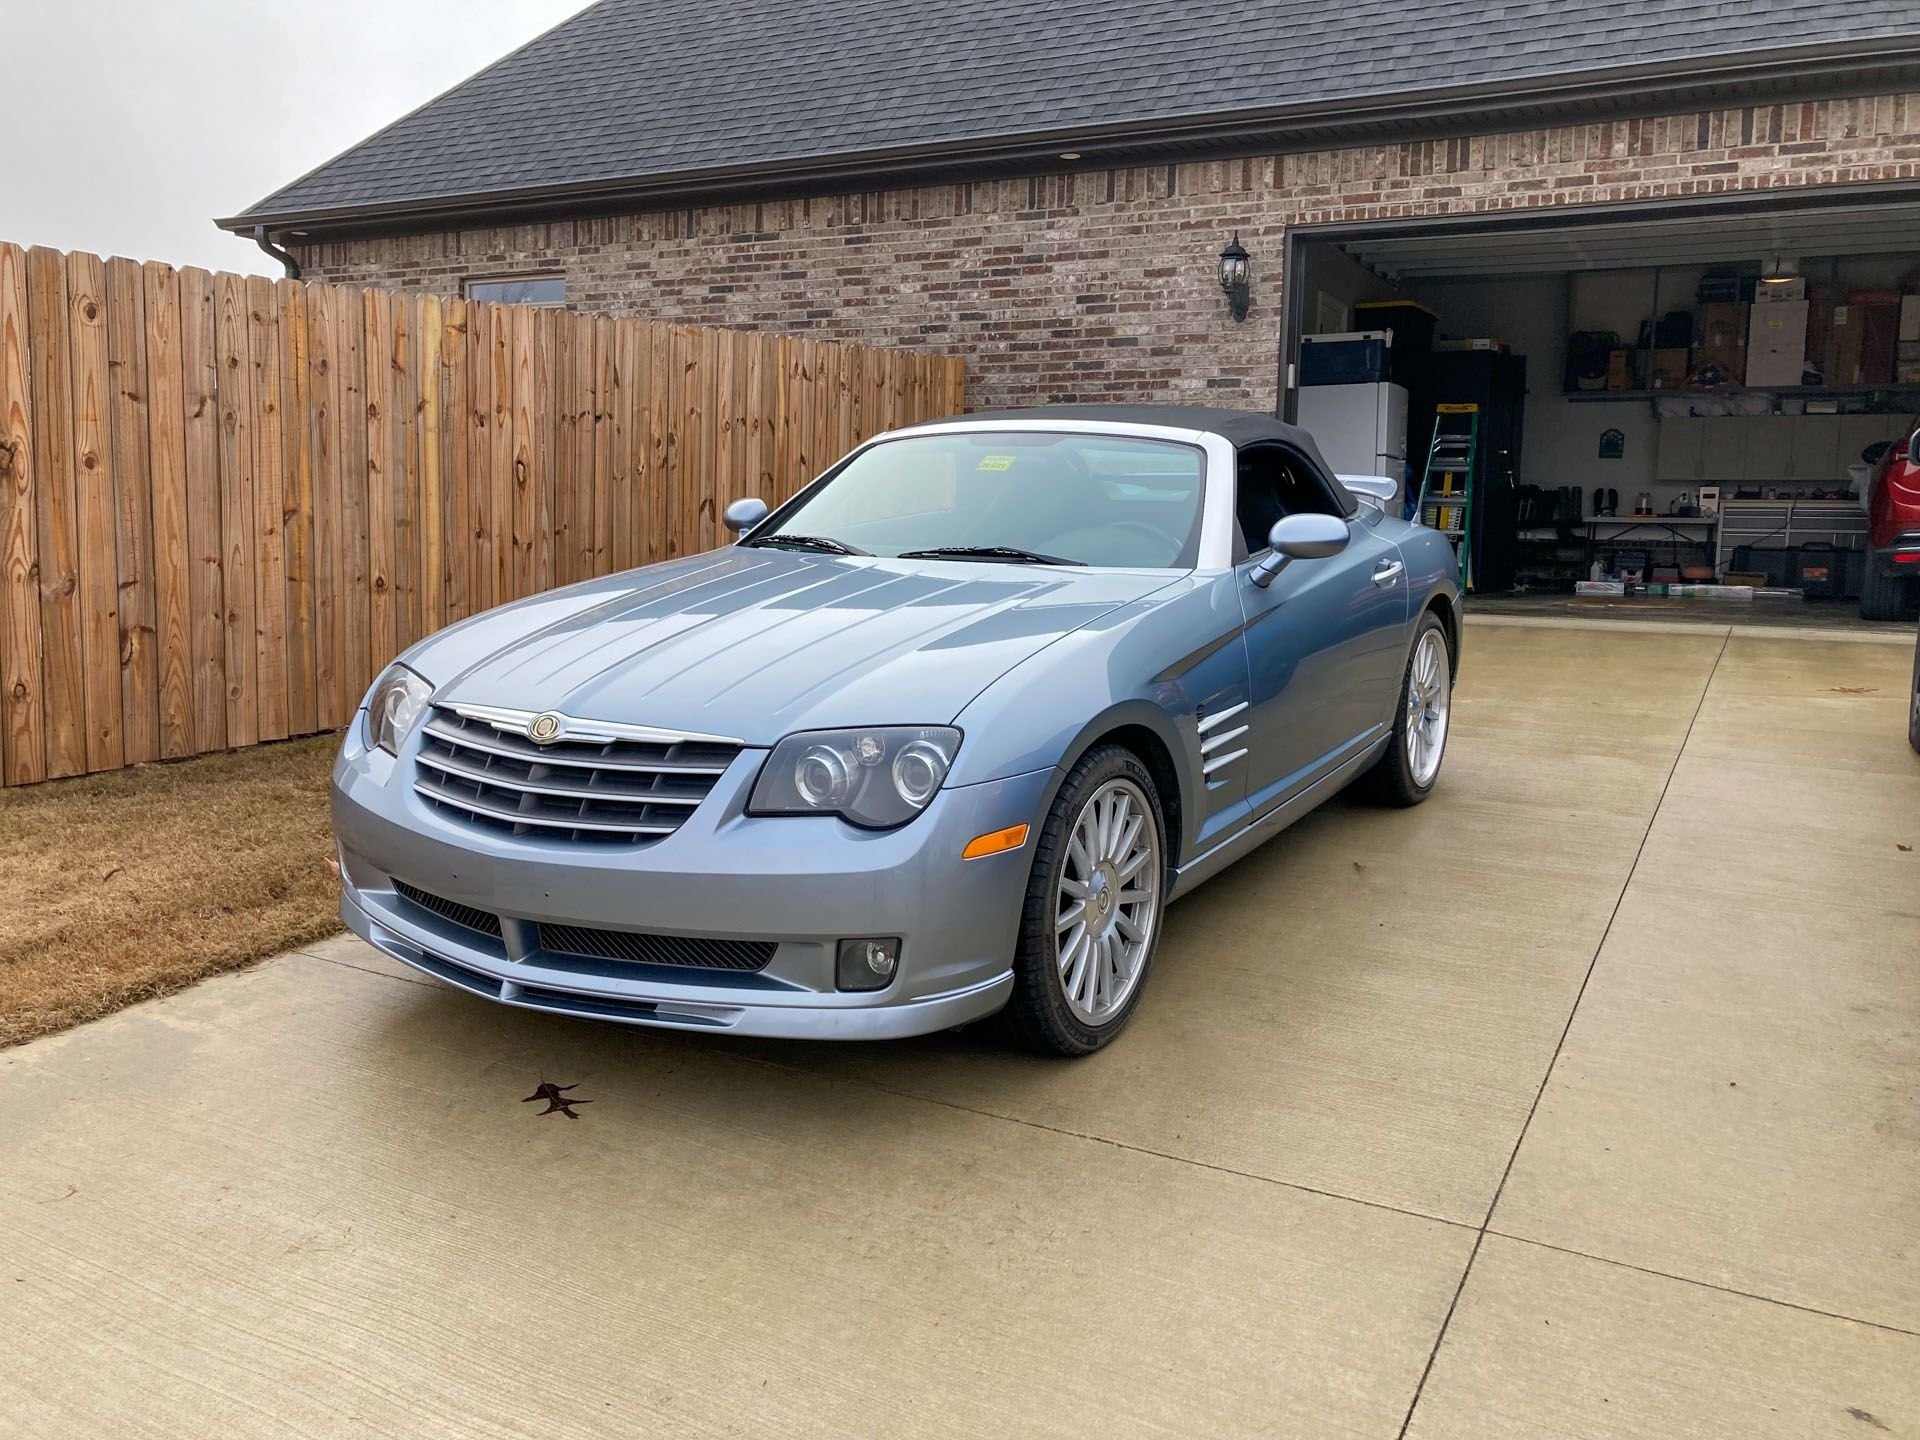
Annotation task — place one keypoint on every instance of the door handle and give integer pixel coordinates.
(1388, 571)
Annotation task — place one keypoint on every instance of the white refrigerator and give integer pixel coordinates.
(1360, 429)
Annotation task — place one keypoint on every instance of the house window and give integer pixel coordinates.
(519, 289)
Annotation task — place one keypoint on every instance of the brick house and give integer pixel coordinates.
(1047, 189)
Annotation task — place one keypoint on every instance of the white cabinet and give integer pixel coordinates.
(1678, 450)
(1767, 451)
(1816, 450)
(1723, 453)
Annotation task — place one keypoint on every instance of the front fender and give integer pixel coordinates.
(1150, 665)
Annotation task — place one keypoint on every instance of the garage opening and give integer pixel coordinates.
(1664, 404)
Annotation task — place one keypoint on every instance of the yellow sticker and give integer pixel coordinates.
(996, 462)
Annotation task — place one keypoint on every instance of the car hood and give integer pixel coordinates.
(754, 644)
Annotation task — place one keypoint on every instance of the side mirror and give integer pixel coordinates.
(742, 515)
(1913, 449)
(1301, 537)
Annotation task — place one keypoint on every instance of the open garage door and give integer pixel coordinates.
(1666, 397)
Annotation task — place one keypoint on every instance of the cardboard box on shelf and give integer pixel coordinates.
(1909, 319)
(1665, 369)
(1777, 343)
(1723, 342)
(1879, 336)
(1906, 365)
(1843, 345)
(1620, 370)
(1454, 347)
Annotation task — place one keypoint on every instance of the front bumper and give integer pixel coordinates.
(803, 883)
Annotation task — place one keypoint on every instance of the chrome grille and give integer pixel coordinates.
(638, 948)
(590, 788)
(453, 910)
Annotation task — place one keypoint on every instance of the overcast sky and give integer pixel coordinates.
(130, 124)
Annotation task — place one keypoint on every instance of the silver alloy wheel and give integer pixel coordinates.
(1105, 904)
(1429, 693)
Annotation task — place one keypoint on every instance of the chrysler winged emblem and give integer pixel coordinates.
(544, 729)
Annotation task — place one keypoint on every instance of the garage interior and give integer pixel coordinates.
(1674, 405)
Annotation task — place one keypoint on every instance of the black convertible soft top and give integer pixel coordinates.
(1240, 427)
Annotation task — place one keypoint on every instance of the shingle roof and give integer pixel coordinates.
(639, 88)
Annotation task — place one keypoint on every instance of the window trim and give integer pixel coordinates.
(511, 277)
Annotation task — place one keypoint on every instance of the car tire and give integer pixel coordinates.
(1061, 1009)
(1405, 774)
(1885, 597)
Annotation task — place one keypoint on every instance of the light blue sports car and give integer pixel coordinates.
(938, 738)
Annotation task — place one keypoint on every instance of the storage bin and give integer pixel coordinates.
(1355, 358)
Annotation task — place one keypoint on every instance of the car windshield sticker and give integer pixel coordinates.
(996, 462)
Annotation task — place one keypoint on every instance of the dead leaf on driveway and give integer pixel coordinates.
(556, 1098)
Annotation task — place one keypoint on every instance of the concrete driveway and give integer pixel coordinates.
(1584, 1100)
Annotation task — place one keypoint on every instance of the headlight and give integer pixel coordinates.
(879, 777)
(398, 701)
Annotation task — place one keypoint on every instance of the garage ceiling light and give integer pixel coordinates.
(1779, 271)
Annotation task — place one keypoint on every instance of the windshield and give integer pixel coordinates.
(1014, 496)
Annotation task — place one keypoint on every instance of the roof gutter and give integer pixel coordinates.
(260, 238)
(1841, 67)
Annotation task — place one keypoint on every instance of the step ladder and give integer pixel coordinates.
(1447, 488)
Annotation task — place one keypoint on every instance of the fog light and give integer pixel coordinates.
(867, 964)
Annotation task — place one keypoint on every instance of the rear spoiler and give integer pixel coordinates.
(1376, 490)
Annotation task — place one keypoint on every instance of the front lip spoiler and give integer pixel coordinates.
(778, 1022)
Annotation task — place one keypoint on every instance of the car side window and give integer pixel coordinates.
(1271, 483)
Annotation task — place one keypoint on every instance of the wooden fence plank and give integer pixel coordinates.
(206, 543)
(269, 539)
(544, 448)
(661, 390)
(483, 524)
(763, 356)
(97, 516)
(237, 510)
(822, 434)
(296, 506)
(564, 417)
(58, 539)
(383, 626)
(431, 579)
(603, 546)
(332, 704)
(724, 446)
(139, 677)
(454, 517)
(23, 749)
(172, 548)
(403, 434)
(503, 473)
(350, 359)
(696, 441)
(527, 515)
(621, 388)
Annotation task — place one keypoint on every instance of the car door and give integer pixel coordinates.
(1324, 639)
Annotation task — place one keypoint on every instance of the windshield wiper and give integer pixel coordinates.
(1013, 554)
(825, 543)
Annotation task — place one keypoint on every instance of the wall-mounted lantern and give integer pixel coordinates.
(1236, 277)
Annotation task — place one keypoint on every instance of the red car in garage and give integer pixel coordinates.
(1891, 588)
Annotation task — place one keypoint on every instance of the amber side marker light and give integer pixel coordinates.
(994, 841)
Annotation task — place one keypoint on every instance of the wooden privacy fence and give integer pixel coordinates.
(226, 501)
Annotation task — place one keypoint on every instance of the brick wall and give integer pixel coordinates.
(1100, 284)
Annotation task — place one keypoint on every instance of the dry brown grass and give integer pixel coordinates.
(118, 887)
